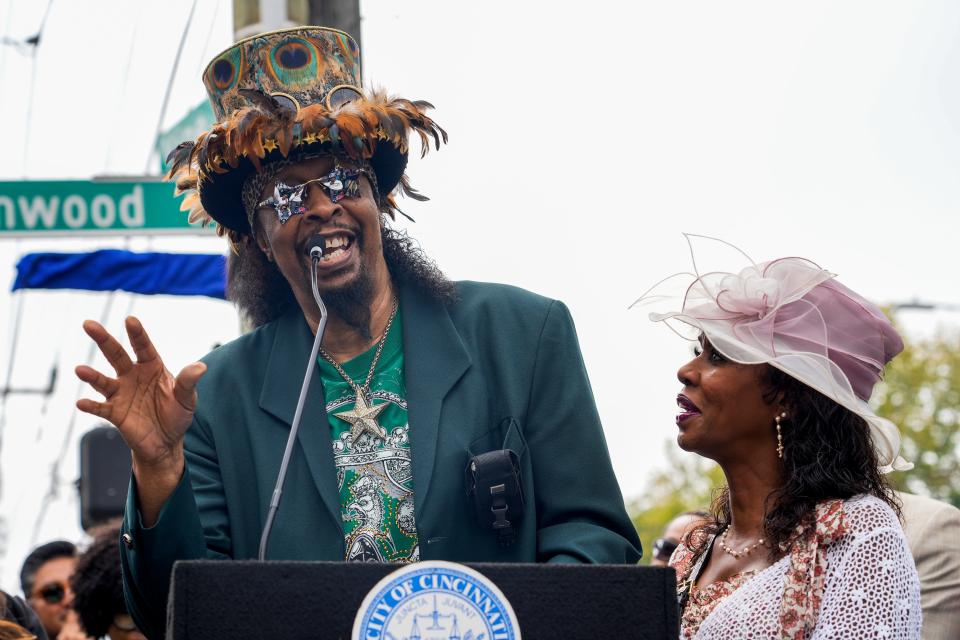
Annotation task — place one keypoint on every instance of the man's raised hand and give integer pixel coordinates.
(151, 408)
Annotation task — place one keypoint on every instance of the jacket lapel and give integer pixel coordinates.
(281, 389)
(434, 359)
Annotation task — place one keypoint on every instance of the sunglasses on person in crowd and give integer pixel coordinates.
(663, 548)
(52, 593)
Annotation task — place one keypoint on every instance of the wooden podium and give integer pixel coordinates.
(292, 600)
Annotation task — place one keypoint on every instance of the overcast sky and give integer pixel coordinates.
(582, 143)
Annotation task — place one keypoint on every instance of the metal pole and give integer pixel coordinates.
(339, 14)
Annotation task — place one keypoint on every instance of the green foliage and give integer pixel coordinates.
(686, 484)
(921, 395)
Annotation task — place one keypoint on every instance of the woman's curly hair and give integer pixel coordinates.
(97, 583)
(828, 454)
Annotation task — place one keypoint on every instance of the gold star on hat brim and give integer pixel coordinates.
(363, 419)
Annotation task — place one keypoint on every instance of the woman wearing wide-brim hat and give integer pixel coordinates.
(805, 540)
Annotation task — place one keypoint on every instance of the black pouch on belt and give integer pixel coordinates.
(493, 482)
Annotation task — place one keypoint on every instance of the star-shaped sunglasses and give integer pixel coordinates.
(341, 182)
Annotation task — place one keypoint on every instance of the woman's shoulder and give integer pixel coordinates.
(865, 514)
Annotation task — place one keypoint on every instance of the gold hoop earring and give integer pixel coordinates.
(779, 434)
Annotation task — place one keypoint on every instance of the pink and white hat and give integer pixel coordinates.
(793, 315)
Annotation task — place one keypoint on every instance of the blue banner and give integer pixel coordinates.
(175, 274)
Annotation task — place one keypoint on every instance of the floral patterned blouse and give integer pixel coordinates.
(702, 600)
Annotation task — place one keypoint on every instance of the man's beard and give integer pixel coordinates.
(351, 302)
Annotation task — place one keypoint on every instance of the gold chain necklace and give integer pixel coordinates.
(736, 554)
(363, 416)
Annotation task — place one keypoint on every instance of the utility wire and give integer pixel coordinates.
(33, 80)
(16, 317)
(206, 43)
(43, 21)
(48, 394)
(54, 487)
(126, 82)
(14, 338)
(6, 40)
(166, 95)
(29, 122)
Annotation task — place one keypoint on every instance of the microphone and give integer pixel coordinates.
(316, 244)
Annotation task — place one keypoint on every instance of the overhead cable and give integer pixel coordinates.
(166, 95)
(54, 486)
(123, 87)
(35, 41)
(206, 43)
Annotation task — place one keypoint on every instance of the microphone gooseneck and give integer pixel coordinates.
(316, 244)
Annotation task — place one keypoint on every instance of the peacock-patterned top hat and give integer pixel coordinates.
(283, 94)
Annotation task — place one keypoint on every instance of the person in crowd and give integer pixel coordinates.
(416, 372)
(805, 540)
(664, 546)
(17, 612)
(45, 580)
(932, 528)
(98, 589)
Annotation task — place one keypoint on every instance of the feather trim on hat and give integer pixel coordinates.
(253, 132)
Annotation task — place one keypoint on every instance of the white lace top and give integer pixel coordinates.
(871, 588)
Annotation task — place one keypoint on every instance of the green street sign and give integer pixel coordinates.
(190, 126)
(143, 206)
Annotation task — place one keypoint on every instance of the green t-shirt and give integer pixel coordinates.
(374, 474)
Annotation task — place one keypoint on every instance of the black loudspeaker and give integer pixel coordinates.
(104, 476)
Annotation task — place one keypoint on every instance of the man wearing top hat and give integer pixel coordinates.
(416, 373)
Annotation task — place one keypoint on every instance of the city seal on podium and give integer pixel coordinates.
(435, 600)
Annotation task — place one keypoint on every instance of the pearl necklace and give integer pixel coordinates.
(736, 554)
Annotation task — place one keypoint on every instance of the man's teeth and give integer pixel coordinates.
(334, 244)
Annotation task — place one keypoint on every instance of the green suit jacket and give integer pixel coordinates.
(500, 368)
